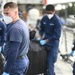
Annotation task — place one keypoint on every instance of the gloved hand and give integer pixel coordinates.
(4, 73)
(72, 53)
(0, 49)
(42, 42)
(5, 63)
(38, 39)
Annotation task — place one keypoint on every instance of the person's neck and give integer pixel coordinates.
(17, 18)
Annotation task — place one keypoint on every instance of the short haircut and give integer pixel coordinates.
(50, 7)
(10, 5)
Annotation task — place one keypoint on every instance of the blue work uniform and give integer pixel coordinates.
(74, 68)
(51, 29)
(1, 17)
(17, 47)
(2, 33)
(73, 49)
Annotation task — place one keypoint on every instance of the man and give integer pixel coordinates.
(17, 42)
(51, 29)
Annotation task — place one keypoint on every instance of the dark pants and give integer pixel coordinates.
(20, 67)
(52, 57)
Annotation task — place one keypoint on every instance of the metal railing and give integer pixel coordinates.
(66, 41)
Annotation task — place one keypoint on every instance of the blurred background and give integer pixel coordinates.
(65, 9)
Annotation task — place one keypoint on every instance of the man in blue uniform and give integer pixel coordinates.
(51, 29)
(2, 34)
(17, 42)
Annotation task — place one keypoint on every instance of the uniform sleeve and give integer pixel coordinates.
(15, 35)
(42, 28)
(73, 49)
(3, 35)
(13, 54)
(3, 38)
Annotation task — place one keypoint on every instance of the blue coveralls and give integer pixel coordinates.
(74, 68)
(73, 49)
(16, 49)
(2, 33)
(51, 28)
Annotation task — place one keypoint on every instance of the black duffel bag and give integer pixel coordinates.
(2, 60)
(38, 58)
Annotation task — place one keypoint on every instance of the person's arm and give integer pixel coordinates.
(3, 36)
(15, 38)
(72, 53)
(13, 54)
(42, 29)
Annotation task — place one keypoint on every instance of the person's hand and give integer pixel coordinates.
(72, 53)
(4, 73)
(38, 39)
(42, 42)
(5, 63)
(0, 49)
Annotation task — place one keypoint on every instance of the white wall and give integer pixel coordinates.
(12, 1)
(30, 1)
(59, 1)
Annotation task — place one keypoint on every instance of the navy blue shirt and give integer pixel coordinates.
(51, 28)
(19, 32)
(17, 43)
(2, 33)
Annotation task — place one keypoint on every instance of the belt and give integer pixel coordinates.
(21, 57)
